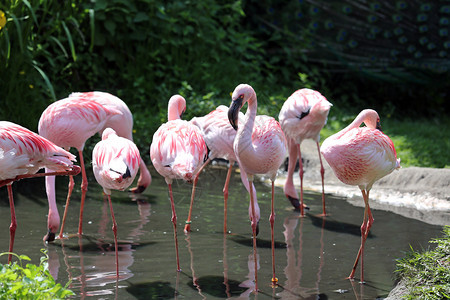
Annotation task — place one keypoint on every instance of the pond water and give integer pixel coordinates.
(313, 254)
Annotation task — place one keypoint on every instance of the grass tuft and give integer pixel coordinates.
(427, 274)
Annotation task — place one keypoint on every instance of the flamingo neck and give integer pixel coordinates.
(363, 117)
(244, 134)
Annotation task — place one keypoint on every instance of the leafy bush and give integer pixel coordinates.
(29, 282)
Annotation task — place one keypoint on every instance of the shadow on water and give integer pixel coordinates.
(152, 290)
(313, 255)
(336, 226)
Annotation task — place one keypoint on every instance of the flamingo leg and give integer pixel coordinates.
(225, 197)
(66, 208)
(300, 172)
(322, 174)
(289, 188)
(365, 228)
(187, 227)
(254, 225)
(114, 229)
(84, 186)
(174, 222)
(13, 226)
(272, 221)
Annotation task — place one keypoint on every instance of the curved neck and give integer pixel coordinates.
(367, 116)
(244, 133)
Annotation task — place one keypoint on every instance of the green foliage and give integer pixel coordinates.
(29, 282)
(36, 50)
(427, 274)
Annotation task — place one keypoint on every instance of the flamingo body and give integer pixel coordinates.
(360, 156)
(115, 162)
(217, 133)
(302, 116)
(178, 150)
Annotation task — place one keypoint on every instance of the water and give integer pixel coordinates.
(313, 255)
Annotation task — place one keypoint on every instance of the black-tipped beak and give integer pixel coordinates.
(233, 112)
(49, 237)
(378, 126)
(127, 174)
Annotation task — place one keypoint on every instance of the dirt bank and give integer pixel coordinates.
(419, 193)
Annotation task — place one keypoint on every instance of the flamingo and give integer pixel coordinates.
(302, 117)
(115, 162)
(22, 154)
(69, 123)
(219, 137)
(360, 156)
(177, 151)
(260, 147)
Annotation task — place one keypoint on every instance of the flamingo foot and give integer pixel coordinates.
(187, 227)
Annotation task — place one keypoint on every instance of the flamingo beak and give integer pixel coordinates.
(233, 112)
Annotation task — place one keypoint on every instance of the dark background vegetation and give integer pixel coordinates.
(380, 55)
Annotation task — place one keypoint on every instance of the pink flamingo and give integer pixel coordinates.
(177, 151)
(302, 117)
(22, 154)
(69, 123)
(360, 156)
(260, 147)
(115, 162)
(219, 137)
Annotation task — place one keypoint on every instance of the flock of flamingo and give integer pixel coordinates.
(180, 149)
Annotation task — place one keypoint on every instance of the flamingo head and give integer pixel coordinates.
(176, 108)
(53, 225)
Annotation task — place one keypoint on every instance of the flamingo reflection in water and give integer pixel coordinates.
(293, 270)
(90, 264)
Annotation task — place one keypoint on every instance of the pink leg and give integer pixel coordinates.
(69, 194)
(84, 186)
(13, 226)
(300, 172)
(254, 224)
(114, 229)
(272, 221)
(187, 227)
(365, 228)
(174, 222)
(322, 173)
(225, 197)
